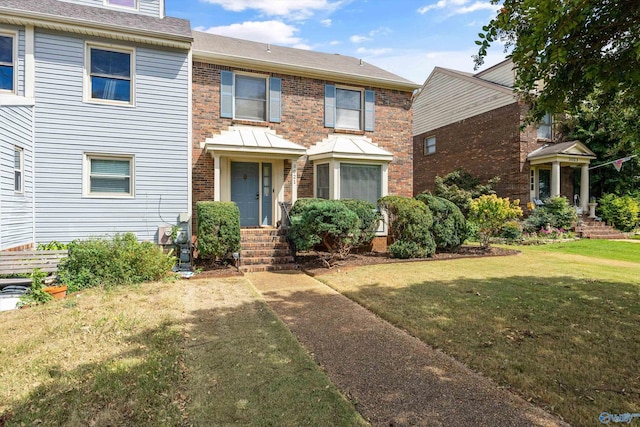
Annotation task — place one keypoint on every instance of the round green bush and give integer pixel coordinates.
(449, 226)
(410, 223)
(369, 218)
(621, 212)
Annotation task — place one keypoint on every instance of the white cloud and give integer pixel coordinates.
(275, 32)
(326, 22)
(358, 39)
(373, 52)
(459, 7)
(335, 43)
(479, 5)
(291, 9)
(441, 4)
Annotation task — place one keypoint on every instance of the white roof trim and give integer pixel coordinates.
(252, 140)
(338, 146)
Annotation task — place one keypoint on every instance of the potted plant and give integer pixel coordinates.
(37, 293)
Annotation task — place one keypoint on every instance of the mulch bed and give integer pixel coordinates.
(207, 269)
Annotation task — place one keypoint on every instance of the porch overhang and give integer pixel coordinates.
(252, 141)
(571, 153)
(351, 147)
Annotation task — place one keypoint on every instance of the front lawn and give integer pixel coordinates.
(559, 324)
(199, 353)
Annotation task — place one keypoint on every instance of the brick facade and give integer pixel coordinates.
(487, 145)
(302, 122)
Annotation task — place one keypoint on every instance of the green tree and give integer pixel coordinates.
(573, 46)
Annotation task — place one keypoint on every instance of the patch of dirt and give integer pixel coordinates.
(206, 269)
(313, 265)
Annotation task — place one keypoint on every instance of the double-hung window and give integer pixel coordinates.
(348, 108)
(18, 168)
(110, 73)
(545, 128)
(109, 176)
(132, 4)
(7, 63)
(250, 97)
(429, 145)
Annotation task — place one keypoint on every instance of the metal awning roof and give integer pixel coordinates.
(348, 147)
(253, 140)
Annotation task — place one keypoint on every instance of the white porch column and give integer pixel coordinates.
(294, 181)
(555, 179)
(216, 178)
(584, 187)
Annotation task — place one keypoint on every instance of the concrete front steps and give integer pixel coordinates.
(591, 229)
(264, 249)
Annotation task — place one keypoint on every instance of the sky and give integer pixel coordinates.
(406, 37)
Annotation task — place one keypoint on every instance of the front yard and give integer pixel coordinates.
(560, 328)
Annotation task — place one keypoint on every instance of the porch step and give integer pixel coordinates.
(264, 249)
(591, 229)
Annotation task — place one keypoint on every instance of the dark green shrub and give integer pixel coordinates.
(106, 261)
(621, 212)
(218, 229)
(460, 187)
(410, 223)
(297, 207)
(449, 226)
(326, 223)
(511, 231)
(369, 219)
(556, 212)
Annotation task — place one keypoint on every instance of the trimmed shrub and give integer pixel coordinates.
(621, 212)
(369, 218)
(218, 229)
(328, 223)
(299, 205)
(460, 187)
(490, 212)
(104, 261)
(511, 231)
(556, 212)
(410, 223)
(449, 226)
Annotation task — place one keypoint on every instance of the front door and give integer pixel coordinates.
(245, 192)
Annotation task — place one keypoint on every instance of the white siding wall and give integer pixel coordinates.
(146, 7)
(502, 74)
(16, 209)
(447, 99)
(155, 131)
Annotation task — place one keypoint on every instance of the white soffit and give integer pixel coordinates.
(348, 147)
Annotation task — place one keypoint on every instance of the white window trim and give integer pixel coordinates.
(266, 78)
(86, 175)
(21, 170)
(87, 73)
(14, 36)
(354, 89)
(315, 177)
(551, 126)
(425, 145)
(136, 5)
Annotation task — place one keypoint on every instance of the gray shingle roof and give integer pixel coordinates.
(307, 61)
(54, 10)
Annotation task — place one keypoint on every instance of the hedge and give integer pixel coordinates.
(218, 229)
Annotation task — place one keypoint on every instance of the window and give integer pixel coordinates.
(322, 181)
(545, 128)
(7, 63)
(18, 167)
(429, 145)
(109, 175)
(122, 3)
(349, 109)
(110, 76)
(362, 182)
(250, 97)
(544, 184)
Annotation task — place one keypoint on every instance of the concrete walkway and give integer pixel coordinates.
(392, 378)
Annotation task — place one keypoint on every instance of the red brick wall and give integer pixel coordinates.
(302, 123)
(486, 145)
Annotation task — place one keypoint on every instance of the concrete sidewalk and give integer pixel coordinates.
(393, 378)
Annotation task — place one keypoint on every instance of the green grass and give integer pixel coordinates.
(558, 324)
(190, 353)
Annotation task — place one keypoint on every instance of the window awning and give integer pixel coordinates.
(567, 153)
(252, 140)
(339, 146)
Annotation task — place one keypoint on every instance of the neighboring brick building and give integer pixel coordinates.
(272, 124)
(473, 122)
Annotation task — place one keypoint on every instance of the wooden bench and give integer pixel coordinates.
(24, 262)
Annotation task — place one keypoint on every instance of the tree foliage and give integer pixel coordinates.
(573, 46)
(490, 212)
(460, 187)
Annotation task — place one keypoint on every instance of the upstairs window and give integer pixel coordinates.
(110, 75)
(429, 145)
(132, 4)
(18, 168)
(349, 109)
(7, 63)
(545, 128)
(250, 97)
